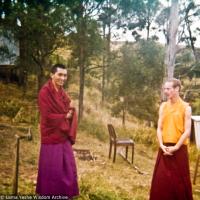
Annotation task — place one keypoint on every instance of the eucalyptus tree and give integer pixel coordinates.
(141, 16)
(137, 77)
(110, 17)
(177, 21)
(118, 15)
(84, 38)
(172, 46)
(191, 16)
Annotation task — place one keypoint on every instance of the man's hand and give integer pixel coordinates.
(165, 150)
(172, 149)
(69, 114)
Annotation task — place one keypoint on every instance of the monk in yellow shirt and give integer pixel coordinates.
(171, 178)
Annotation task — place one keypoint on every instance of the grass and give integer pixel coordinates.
(94, 129)
(27, 165)
(120, 178)
(99, 179)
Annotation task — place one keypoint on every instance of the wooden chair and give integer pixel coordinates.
(114, 140)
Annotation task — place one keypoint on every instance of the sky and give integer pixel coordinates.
(120, 36)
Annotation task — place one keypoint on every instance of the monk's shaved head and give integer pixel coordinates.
(56, 66)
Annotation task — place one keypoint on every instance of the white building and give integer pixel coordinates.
(9, 50)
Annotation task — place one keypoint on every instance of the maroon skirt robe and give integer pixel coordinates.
(57, 173)
(171, 177)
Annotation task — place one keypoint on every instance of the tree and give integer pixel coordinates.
(141, 16)
(110, 16)
(138, 70)
(40, 29)
(191, 14)
(190, 17)
(186, 34)
(172, 47)
(115, 15)
(85, 40)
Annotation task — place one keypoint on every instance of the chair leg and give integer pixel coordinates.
(110, 150)
(196, 169)
(132, 153)
(115, 148)
(126, 152)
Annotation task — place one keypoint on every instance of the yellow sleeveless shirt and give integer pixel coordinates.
(173, 121)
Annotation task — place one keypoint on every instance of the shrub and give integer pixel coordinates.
(196, 107)
(9, 108)
(141, 135)
(94, 128)
(96, 188)
(27, 115)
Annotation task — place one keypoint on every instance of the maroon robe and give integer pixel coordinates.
(57, 173)
(171, 178)
(53, 106)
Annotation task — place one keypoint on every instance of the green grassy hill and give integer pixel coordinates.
(99, 177)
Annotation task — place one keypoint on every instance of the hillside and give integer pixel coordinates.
(99, 178)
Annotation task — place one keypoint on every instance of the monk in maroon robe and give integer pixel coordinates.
(57, 174)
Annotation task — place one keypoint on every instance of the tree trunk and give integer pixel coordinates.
(103, 69)
(41, 75)
(81, 93)
(81, 84)
(171, 50)
(123, 116)
(23, 64)
(40, 79)
(148, 30)
(191, 39)
(108, 43)
(148, 24)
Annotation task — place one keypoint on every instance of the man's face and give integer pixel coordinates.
(169, 90)
(59, 77)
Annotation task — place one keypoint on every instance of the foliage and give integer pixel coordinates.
(196, 106)
(9, 107)
(27, 115)
(193, 152)
(138, 71)
(141, 135)
(184, 62)
(90, 40)
(189, 14)
(94, 128)
(144, 13)
(97, 189)
(39, 28)
(84, 39)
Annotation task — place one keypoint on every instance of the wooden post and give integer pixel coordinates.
(16, 169)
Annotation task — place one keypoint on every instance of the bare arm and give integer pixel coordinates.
(159, 130)
(186, 133)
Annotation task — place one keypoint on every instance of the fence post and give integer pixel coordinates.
(16, 169)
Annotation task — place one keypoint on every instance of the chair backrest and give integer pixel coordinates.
(112, 133)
